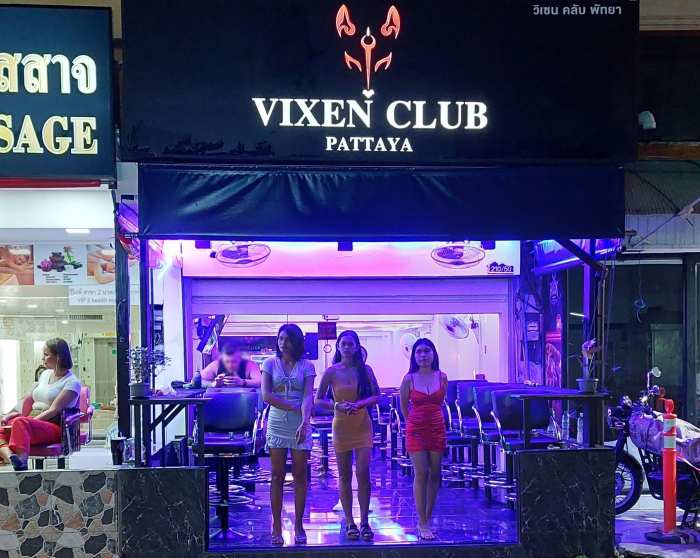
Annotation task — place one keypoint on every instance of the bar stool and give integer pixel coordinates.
(488, 434)
(456, 444)
(469, 428)
(230, 430)
(381, 417)
(507, 413)
(252, 473)
(399, 457)
(322, 423)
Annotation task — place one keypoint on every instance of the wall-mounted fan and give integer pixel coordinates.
(241, 254)
(407, 340)
(455, 326)
(458, 255)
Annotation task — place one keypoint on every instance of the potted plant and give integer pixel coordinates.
(142, 366)
(588, 383)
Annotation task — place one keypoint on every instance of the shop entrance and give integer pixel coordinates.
(468, 319)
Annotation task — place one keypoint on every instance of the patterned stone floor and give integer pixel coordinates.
(67, 514)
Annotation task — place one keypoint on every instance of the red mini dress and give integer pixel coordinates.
(425, 426)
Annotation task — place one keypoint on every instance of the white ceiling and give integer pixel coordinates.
(34, 215)
(364, 324)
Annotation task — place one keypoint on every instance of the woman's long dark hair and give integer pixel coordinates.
(296, 336)
(364, 384)
(427, 342)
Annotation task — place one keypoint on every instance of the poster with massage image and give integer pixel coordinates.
(101, 268)
(16, 265)
(60, 264)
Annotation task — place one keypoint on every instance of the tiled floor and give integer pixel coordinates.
(462, 515)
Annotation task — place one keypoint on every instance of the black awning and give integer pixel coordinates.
(330, 204)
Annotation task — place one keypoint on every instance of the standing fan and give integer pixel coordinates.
(406, 342)
(455, 326)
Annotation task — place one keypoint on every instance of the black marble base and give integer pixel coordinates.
(567, 503)
(162, 512)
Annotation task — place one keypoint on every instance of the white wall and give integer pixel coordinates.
(9, 376)
(459, 358)
(385, 358)
(168, 286)
(55, 210)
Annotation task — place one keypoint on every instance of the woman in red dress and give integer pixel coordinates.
(422, 394)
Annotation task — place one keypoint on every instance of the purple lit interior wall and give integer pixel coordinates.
(485, 300)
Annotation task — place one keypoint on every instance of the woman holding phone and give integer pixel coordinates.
(287, 386)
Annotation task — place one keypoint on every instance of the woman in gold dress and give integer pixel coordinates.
(354, 390)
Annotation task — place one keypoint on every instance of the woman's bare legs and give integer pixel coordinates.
(364, 487)
(278, 462)
(300, 459)
(5, 453)
(421, 468)
(344, 461)
(434, 474)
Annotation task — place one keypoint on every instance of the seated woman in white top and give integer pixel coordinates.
(36, 418)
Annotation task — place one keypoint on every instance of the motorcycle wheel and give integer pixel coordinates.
(628, 482)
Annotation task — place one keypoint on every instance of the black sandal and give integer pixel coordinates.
(352, 532)
(366, 532)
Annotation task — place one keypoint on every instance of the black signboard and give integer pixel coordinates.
(56, 93)
(380, 82)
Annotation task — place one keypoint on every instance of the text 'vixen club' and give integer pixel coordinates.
(399, 115)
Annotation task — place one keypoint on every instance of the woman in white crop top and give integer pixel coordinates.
(36, 418)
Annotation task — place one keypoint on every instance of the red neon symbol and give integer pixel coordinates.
(390, 28)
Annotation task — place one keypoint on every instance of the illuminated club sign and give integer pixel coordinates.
(388, 82)
(55, 93)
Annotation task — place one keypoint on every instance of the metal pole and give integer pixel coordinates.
(145, 295)
(123, 310)
(602, 281)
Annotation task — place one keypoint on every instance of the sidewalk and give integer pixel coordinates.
(647, 516)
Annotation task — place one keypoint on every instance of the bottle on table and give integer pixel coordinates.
(579, 429)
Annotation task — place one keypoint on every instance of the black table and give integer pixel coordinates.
(593, 416)
(170, 407)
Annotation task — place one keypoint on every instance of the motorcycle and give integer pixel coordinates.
(625, 419)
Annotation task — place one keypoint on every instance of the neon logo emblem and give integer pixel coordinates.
(390, 28)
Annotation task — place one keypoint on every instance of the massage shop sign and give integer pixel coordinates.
(56, 93)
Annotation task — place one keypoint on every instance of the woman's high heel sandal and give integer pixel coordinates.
(277, 540)
(366, 532)
(352, 532)
(300, 538)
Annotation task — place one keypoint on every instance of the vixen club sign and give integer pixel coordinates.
(379, 82)
(55, 93)
(357, 115)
